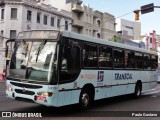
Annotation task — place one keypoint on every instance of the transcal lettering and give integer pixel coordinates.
(124, 76)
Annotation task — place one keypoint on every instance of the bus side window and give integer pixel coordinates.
(70, 63)
(147, 64)
(129, 60)
(138, 60)
(105, 57)
(154, 62)
(90, 56)
(118, 58)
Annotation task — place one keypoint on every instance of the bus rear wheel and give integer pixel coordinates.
(85, 99)
(138, 90)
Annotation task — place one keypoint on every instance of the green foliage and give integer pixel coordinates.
(115, 39)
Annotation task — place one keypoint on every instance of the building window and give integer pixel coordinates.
(45, 20)
(89, 18)
(1, 38)
(86, 17)
(98, 35)
(86, 31)
(29, 15)
(66, 25)
(52, 21)
(1, 33)
(14, 13)
(125, 32)
(99, 23)
(70, 1)
(38, 17)
(13, 34)
(90, 32)
(2, 14)
(150, 40)
(129, 27)
(58, 23)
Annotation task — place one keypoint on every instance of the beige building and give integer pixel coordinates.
(128, 29)
(85, 20)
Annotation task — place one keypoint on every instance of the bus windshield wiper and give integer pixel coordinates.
(40, 48)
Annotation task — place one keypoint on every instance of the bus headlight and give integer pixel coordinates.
(47, 94)
(9, 88)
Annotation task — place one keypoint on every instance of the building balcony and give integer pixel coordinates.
(78, 23)
(93, 26)
(77, 8)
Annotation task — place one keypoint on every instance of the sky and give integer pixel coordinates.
(149, 21)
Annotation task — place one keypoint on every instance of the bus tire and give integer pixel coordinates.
(138, 89)
(85, 99)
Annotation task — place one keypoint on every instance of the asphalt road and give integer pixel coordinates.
(119, 107)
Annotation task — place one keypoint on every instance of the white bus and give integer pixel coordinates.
(58, 68)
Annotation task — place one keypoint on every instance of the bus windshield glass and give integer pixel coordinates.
(34, 60)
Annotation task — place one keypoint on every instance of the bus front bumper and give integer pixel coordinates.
(31, 95)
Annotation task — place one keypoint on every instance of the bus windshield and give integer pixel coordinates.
(34, 60)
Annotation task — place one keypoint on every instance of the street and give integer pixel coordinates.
(122, 106)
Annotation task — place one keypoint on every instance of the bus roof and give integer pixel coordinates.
(104, 42)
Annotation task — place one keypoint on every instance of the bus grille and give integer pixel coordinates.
(26, 85)
(24, 92)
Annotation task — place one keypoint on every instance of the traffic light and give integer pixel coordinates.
(136, 14)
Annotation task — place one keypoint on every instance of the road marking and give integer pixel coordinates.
(149, 90)
(154, 96)
(154, 92)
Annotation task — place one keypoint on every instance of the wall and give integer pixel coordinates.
(130, 29)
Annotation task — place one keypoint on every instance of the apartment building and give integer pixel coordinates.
(86, 20)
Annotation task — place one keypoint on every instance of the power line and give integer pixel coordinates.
(124, 15)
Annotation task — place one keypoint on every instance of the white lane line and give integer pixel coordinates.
(149, 90)
(154, 92)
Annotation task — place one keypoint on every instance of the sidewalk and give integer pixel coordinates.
(1, 78)
(1, 81)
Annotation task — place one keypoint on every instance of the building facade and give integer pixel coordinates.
(128, 29)
(22, 15)
(86, 20)
(150, 41)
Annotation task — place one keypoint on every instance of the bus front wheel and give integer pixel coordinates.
(85, 99)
